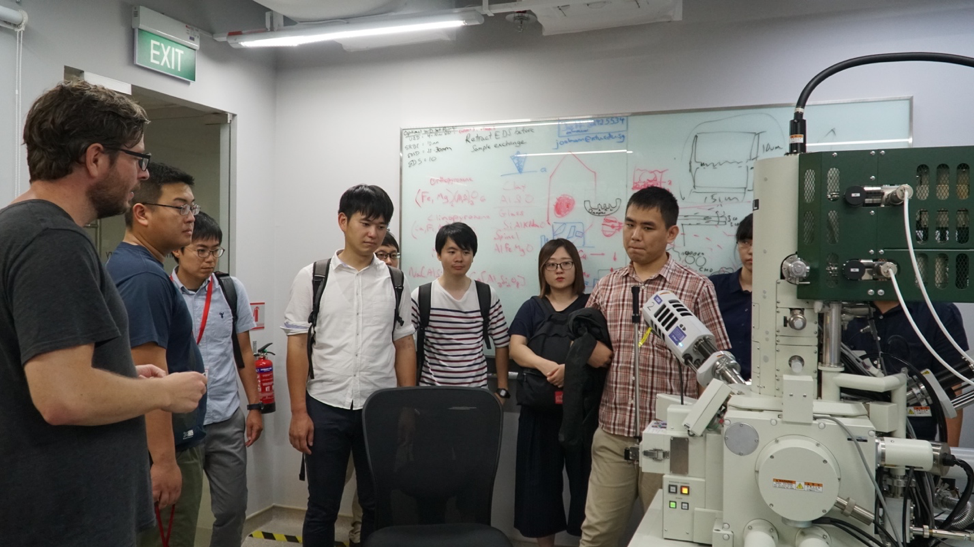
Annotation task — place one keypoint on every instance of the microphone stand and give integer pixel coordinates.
(632, 453)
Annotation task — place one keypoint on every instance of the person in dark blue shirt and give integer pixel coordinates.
(161, 333)
(898, 342)
(540, 341)
(734, 298)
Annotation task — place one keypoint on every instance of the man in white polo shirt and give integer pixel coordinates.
(351, 357)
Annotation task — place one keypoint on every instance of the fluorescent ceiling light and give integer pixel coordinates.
(574, 153)
(491, 127)
(908, 140)
(296, 36)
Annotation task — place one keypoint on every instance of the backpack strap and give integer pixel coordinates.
(319, 278)
(546, 306)
(230, 294)
(425, 302)
(398, 282)
(483, 296)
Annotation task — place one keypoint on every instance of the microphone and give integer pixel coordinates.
(635, 304)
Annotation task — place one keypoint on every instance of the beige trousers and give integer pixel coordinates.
(612, 488)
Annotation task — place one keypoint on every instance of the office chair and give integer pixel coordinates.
(433, 452)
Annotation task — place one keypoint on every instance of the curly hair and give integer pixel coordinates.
(66, 120)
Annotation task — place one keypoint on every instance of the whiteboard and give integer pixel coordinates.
(520, 183)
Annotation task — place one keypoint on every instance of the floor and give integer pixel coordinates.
(288, 524)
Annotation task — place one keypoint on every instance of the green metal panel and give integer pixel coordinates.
(832, 232)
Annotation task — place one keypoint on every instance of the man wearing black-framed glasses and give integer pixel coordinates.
(142, 159)
(73, 440)
(222, 320)
(161, 221)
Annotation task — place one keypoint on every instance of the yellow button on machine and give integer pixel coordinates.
(685, 490)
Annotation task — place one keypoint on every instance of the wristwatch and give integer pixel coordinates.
(256, 406)
(502, 393)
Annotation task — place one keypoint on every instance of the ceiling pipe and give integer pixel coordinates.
(14, 18)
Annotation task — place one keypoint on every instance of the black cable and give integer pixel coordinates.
(850, 529)
(880, 522)
(889, 537)
(798, 122)
(935, 405)
(851, 362)
(871, 321)
(682, 385)
(964, 498)
(922, 507)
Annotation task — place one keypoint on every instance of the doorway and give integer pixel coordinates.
(196, 139)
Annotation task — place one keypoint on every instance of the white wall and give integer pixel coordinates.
(339, 114)
(96, 36)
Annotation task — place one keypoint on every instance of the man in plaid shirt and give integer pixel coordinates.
(614, 483)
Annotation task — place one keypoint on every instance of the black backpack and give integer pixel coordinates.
(425, 299)
(319, 277)
(230, 295)
(552, 341)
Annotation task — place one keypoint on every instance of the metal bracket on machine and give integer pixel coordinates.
(706, 408)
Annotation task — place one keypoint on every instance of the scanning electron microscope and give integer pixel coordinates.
(816, 449)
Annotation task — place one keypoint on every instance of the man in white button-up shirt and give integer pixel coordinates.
(359, 348)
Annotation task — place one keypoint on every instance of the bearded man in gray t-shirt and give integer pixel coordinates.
(72, 438)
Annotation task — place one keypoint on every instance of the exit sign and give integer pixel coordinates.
(164, 55)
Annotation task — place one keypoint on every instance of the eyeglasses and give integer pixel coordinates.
(387, 256)
(183, 209)
(143, 159)
(746, 244)
(565, 266)
(204, 253)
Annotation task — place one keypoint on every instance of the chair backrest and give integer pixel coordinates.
(433, 452)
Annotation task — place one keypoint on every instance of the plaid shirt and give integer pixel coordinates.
(659, 370)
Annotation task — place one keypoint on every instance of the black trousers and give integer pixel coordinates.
(338, 432)
(539, 509)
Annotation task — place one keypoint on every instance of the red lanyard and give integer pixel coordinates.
(165, 537)
(206, 306)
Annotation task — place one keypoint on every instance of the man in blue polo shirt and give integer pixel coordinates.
(228, 432)
(899, 343)
(161, 333)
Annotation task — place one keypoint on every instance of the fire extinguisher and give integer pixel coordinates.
(265, 378)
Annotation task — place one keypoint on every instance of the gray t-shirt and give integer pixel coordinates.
(63, 485)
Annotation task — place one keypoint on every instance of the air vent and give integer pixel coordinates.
(832, 232)
(832, 183)
(962, 274)
(809, 187)
(941, 271)
(923, 183)
(943, 181)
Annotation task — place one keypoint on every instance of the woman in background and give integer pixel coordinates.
(734, 298)
(539, 344)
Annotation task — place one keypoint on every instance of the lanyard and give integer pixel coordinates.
(165, 536)
(206, 306)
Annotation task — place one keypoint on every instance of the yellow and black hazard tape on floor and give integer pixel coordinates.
(284, 537)
(276, 537)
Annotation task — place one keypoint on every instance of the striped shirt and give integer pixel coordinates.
(659, 371)
(454, 346)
